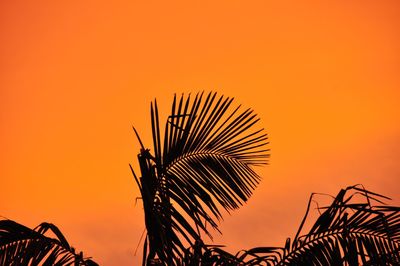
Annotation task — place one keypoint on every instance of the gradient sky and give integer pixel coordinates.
(75, 75)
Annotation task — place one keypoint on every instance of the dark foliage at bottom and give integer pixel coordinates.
(20, 245)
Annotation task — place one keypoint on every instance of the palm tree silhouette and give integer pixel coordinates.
(204, 162)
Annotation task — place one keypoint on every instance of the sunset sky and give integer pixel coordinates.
(323, 76)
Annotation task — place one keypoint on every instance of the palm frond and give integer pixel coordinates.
(204, 162)
(209, 150)
(20, 245)
(346, 233)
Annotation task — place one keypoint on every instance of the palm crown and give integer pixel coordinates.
(203, 162)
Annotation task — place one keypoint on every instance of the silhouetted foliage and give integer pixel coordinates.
(348, 232)
(203, 162)
(20, 245)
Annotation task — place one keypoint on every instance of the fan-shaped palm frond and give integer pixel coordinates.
(20, 245)
(346, 233)
(204, 162)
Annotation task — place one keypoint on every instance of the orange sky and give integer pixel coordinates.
(75, 75)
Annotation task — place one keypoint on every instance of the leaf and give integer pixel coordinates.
(346, 233)
(20, 245)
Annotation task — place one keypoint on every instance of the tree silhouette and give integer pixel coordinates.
(348, 232)
(204, 162)
(20, 245)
